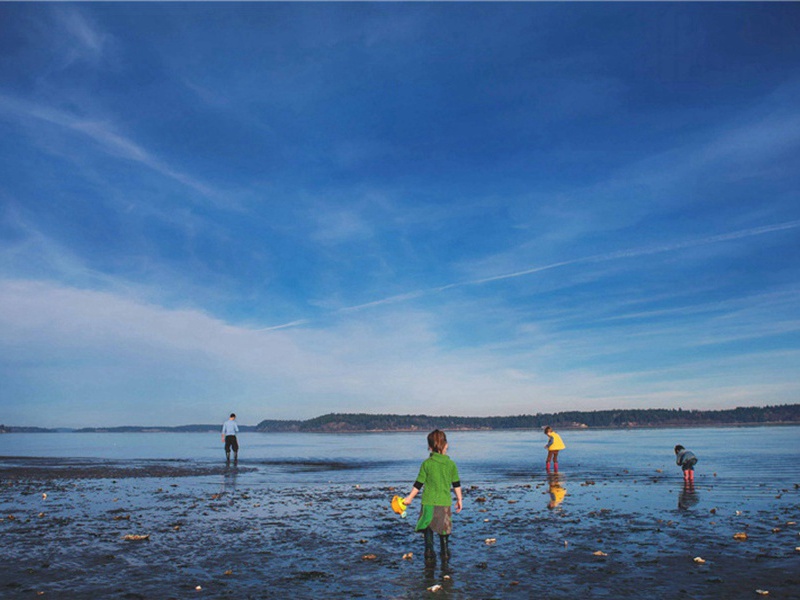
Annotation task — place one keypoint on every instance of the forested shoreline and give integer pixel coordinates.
(787, 414)
(624, 418)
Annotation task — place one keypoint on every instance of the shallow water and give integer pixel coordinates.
(301, 511)
(735, 463)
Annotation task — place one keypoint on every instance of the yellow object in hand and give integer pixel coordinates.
(399, 506)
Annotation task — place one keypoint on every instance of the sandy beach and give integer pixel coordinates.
(212, 531)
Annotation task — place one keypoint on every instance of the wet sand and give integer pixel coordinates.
(221, 532)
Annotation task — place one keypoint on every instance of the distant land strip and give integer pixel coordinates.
(786, 414)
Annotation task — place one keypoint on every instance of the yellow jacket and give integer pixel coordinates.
(555, 443)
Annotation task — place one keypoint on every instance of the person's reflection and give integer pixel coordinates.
(443, 579)
(229, 483)
(557, 490)
(688, 496)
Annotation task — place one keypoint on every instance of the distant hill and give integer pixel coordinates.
(625, 418)
(11, 429)
(787, 414)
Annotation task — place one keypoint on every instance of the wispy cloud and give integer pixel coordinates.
(103, 134)
(29, 251)
(394, 359)
(82, 40)
(624, 254)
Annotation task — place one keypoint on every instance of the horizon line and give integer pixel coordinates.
(710, 410)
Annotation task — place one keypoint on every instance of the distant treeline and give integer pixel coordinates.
(651, 417)
(335, 422)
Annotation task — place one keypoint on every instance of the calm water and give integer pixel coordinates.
(735, 463)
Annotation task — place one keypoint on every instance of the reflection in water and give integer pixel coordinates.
(433, 582)
(688, 497)
(229, 483)
(557, 490)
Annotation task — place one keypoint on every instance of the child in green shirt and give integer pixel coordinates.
(438, 473)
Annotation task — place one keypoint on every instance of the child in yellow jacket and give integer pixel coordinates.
(554, 444)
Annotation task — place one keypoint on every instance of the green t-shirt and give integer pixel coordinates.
(437, 474)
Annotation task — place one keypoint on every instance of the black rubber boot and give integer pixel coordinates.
(444, 544)
(430, 553)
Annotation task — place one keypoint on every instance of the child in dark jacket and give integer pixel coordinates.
(686, 460)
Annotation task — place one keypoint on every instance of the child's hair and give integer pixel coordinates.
(437, 440)
(678, 448)
(233, 415)
(548, 429)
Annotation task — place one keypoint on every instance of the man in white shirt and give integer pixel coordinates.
(229, 431)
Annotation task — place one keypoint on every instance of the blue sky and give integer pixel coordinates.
(291, 209)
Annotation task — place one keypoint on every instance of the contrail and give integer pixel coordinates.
(634, 252)
(595, 258)
(285, 325)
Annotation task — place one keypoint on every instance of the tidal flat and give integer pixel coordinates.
(278, 527)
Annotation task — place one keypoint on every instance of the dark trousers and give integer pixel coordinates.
(230, 442)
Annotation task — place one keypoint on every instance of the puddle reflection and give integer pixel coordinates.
(688, 496)
(557, 489)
